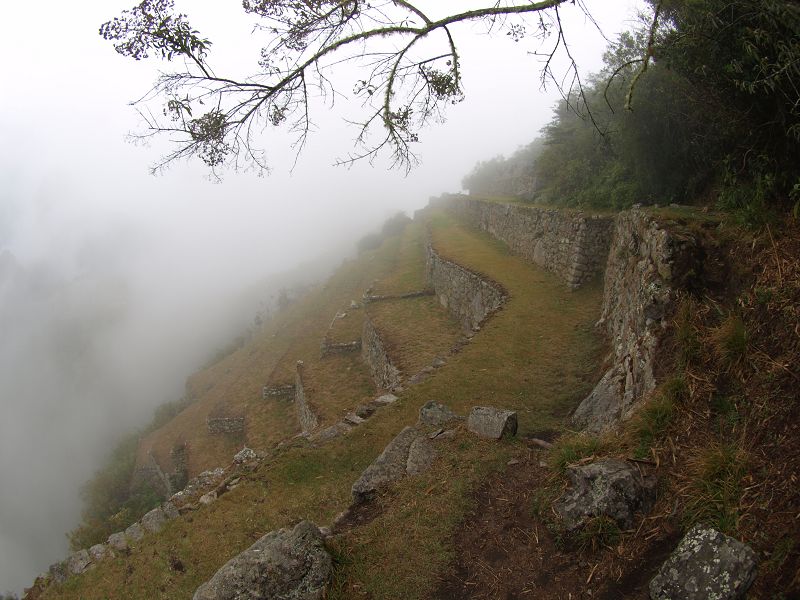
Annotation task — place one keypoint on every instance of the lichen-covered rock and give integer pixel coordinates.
(421, 455)
(118, 541)
(154, 521)
(329, 433)
(434, 414)
(706, 565)
(58, 572)
(100, 552)
(388, 467)
(492, 423)
(282, 565)
(170, 511)
(244, 455)
(386, 399)
(606, 488)
(134, 532)
(78, 562)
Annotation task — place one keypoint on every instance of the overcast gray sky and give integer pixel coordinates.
(115, 284)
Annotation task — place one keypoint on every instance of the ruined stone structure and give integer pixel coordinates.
(572, 245)
(224, 424)
(327, 348)
(648, 265)
(373, 350)
(468, 296)
(277, 391)
(305, 416)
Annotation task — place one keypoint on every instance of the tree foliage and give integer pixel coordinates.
(408, 63)
(702, 99)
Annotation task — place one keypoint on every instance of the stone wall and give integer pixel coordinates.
(224, 424)
(648, 266)
(373, 350)
(305, 416)
(327, 348)
(468, 296)
(150, 475)
(572, 245)
(277, 391)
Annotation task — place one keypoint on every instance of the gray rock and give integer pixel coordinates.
(386, 399)
(434, 414)
(58, 572)
(706, 564)
(282, 565)
(329, 433)
(388, 467)
(208, 498)
(134, 532)
(100, 552)
(78, 562)
(365, 411)
(492, 423)
(353, 419)
(118, 541)
(154, 521)
(602, 408)
(244, 455)
(170, 511)
(606, 488)
(421, 455)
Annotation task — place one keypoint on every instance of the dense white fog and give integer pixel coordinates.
(115, 284)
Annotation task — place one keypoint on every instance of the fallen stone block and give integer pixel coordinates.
(421, 455)
(388, 467)
(285, 564)
(606, 488)
(434, 414)
(706, 564)
(492, 423)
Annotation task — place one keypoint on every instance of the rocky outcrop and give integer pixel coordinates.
(373, 350)
(305, 416)
(469, 297)
(572, 245)
(706, 564)
(648, 265)
(607, 488)
(492, 423)
(285, 564)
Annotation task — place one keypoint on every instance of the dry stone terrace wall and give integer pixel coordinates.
(373, 351)
(574, 246)
(469, 297)
(306, 417)
(648, 265)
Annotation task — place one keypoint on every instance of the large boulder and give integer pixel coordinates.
(606, 488)
(388, 467)
(154, 521)
(118, 541)
(492, 423)
(289, 564)
(421, 455)
(706, 564)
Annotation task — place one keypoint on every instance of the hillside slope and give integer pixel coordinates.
(478, 523)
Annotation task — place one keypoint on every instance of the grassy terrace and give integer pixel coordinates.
(537, 355)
